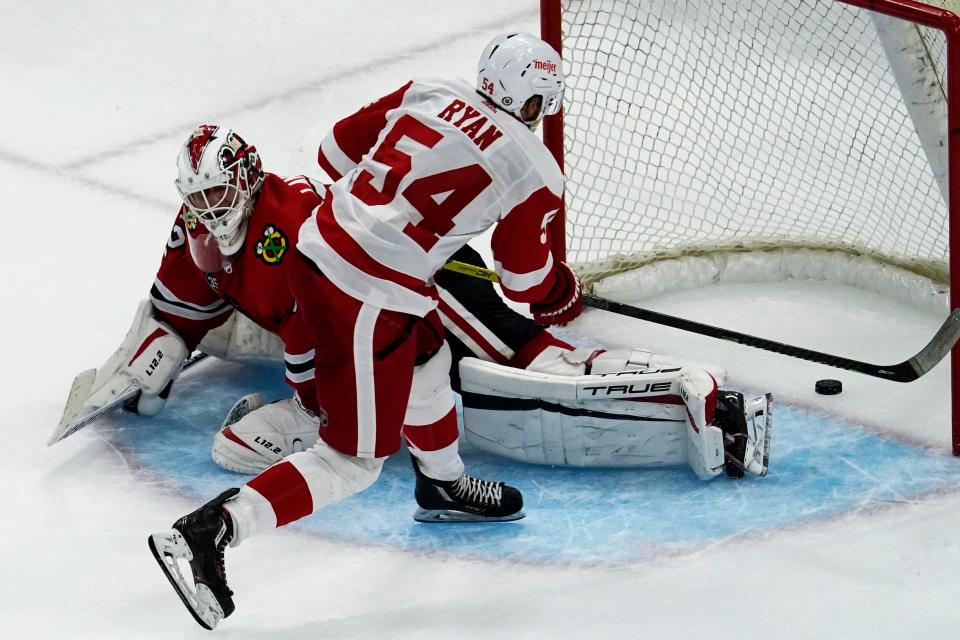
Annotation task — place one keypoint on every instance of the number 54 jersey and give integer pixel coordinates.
(419, 173)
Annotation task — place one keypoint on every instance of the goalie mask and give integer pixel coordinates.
(219, 176)
(522, 75)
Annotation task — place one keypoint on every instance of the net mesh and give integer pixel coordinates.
(696, 126)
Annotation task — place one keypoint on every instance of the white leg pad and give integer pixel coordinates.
(704, 442)
(629, 419)
(584, 421)
(264, 436)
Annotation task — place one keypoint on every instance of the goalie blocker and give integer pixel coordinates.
(646, 418)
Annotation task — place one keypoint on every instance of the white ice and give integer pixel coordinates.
(95, 98)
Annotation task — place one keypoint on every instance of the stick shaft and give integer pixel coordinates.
(907, 371)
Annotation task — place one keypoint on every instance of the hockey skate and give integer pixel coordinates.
(199, 539)
(466, 499)
(747, 427)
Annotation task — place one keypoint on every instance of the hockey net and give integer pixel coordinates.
(697, 128)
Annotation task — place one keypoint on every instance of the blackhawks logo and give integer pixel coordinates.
(273, 245)
(190, 219)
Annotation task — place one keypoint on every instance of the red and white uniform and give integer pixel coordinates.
(254, 281)
(420, 172)
(425, 169)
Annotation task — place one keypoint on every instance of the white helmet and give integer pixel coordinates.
(219, 176)
(519, 67)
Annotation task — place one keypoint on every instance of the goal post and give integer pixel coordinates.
(697, 128)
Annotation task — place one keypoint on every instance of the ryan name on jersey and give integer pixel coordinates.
(471, 121)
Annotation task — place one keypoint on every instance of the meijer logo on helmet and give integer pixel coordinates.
(545, 65)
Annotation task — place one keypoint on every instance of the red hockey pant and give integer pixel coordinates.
(364, 362)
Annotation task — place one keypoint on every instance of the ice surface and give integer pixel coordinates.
(852, 534)
(821, 467)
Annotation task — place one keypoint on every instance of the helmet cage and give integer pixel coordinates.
(214, 199)
(219, 177)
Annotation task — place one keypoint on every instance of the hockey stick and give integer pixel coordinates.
(906, 371)
(70, 423)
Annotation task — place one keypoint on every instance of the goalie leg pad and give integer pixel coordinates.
(635, 419)
(253, 437)
(704, 440)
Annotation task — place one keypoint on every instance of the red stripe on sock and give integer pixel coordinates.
(436, 436)
(286, 491)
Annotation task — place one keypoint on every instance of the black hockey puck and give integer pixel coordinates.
(828, 387)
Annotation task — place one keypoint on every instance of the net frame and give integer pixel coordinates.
(933, 15)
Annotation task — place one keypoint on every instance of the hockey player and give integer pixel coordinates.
(230, 249)
(423, 170)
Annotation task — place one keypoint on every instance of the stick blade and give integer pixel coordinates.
(79, 392)
(939, 346)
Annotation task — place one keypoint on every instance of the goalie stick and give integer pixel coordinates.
(70, 423)
(906, 371)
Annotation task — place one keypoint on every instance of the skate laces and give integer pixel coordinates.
(475, 490)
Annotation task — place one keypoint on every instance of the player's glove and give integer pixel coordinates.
(565, 300)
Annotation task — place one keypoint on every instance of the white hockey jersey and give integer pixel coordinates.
(419, 173)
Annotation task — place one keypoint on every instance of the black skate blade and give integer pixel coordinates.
(173, 583)
(449, 516)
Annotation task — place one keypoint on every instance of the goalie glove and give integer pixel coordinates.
(564, 302)
(148, 360)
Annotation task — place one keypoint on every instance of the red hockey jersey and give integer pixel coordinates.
(419, 173)
(254, 280)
